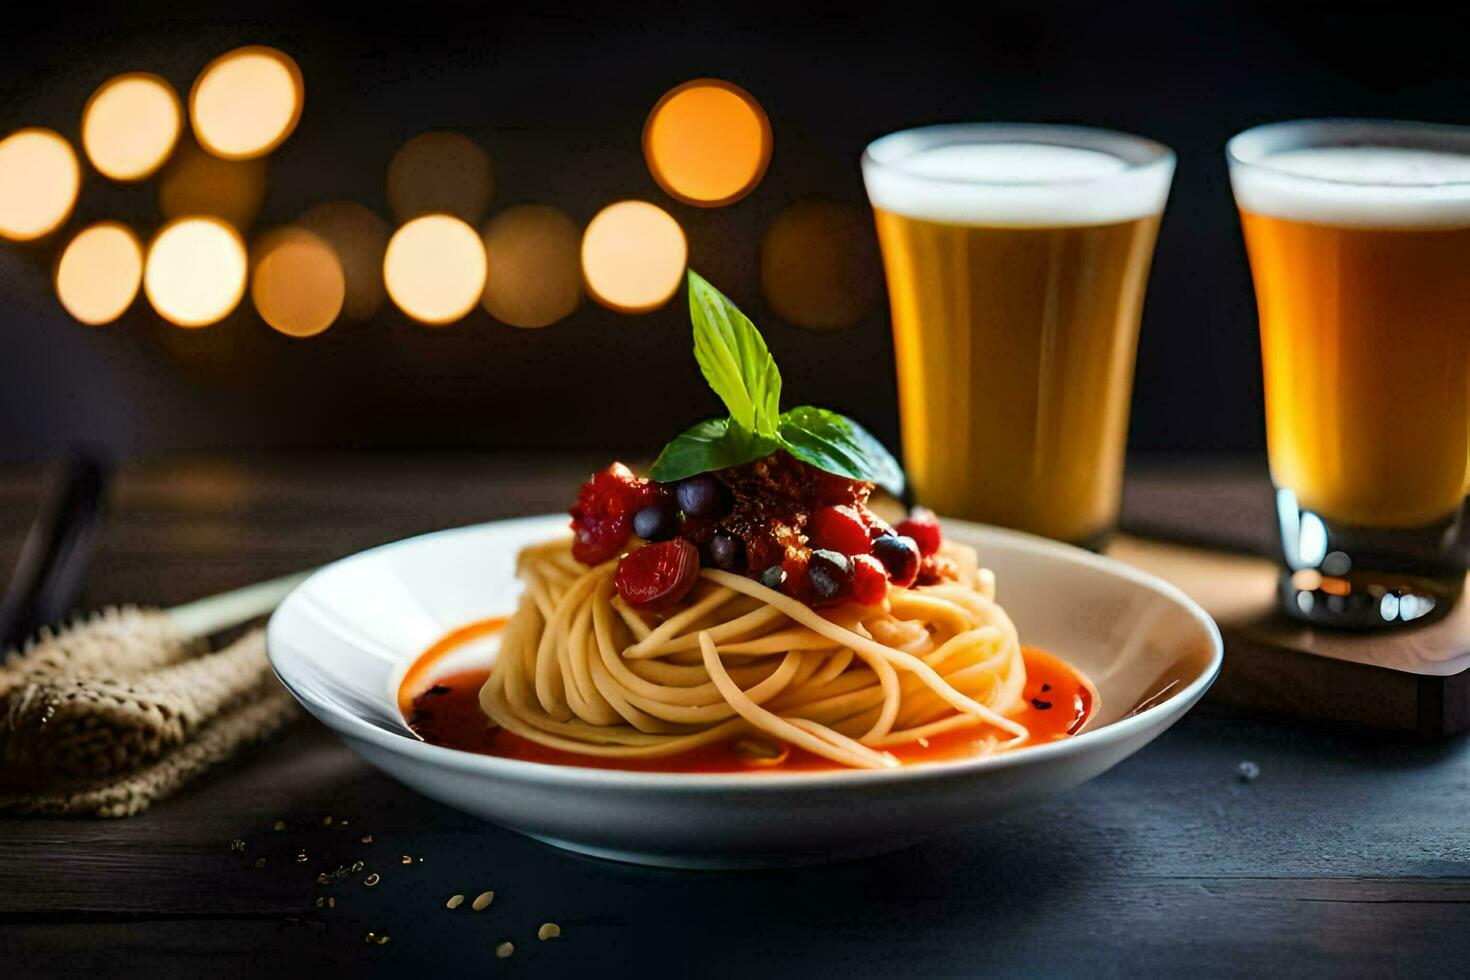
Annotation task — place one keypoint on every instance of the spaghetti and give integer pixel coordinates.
(582, 671)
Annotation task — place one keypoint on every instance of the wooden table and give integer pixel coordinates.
(1350, 853)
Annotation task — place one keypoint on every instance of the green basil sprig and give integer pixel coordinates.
(739, 368)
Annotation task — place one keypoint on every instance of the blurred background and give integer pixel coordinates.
(378, 115)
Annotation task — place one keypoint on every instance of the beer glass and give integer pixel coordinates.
(1358, 235)
(1016, 259)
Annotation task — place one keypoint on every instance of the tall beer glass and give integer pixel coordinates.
(1016, 258)
(1359, 241)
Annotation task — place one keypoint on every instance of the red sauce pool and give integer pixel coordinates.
(447, 712)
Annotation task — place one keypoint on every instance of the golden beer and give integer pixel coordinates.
(1365, 338)
(1358, 235)
(1016, 259)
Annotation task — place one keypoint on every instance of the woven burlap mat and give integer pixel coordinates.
(112, 714)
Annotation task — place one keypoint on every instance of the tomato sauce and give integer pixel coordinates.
(446, 711)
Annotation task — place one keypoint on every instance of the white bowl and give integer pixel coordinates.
(342, 642)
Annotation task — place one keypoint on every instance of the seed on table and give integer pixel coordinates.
(367, 838)
(279, 825)
(548, 930)
(300, 857)
(260, 862)
(323, 879)
(371, 879)
(373, 938)
(357, 866)
(482, 901)
(237, 845)
(405, 860)
(455, 901)
(504, 950)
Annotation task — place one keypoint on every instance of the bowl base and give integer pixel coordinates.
(699, 861)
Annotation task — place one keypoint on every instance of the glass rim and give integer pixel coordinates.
(1252, 148)
(1137, 153)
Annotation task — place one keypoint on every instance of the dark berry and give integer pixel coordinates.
(728, 552)
(830, 573)
(839, 529)
(900, 557)
(773, 577)
(869, 580)
(659, 521)
(923, 527)
(657, 576)
(703, 496)
(602, 517)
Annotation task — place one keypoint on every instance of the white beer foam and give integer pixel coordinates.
(1357, 185)
(972, 178)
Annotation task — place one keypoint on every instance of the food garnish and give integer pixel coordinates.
(780, 497)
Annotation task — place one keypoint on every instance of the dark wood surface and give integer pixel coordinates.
(1349, 854)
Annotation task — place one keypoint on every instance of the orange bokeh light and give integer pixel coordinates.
(195, 271)
(297, 283)
(819, 264)
(197, 183)
(633, 256)
(99, 273)
(130, 125)
(246, 102)
(435, 269)
(440, 173)
(535, 277)
(39, 181)
(707, 142)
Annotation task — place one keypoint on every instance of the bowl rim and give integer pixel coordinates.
(350, 725)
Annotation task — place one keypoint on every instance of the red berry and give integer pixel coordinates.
(795, 582)
(602, 517)
(877, 526)
(869, 580)
(923, 527)
(657, 576)
(840, 529)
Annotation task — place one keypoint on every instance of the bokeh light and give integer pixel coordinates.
(195, 272)
(819, 265)
(359, 237)
(435, 268)
(99, 273)
(534, 277)
(440, 173)
(130, 125)
(39, 180)
(633, 256)
(707, 142)
(246, 102)
(297, 283)
(196, 183)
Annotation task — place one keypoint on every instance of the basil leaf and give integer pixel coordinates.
(734, 358)
(837, 444)
(711, 445)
